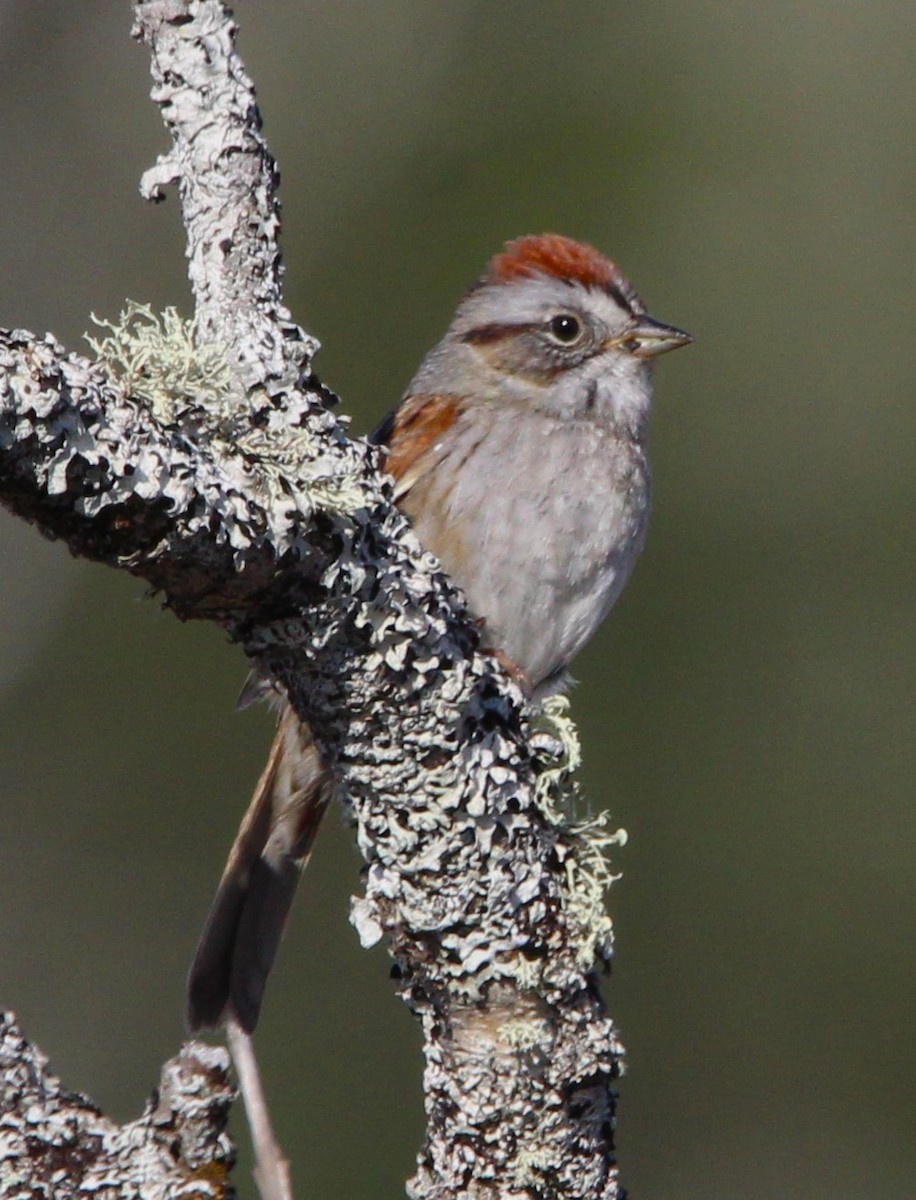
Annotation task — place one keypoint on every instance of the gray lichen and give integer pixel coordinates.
(55, 1143)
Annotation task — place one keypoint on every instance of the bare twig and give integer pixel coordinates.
(271, 1169)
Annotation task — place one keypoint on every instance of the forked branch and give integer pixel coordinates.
(232, 489)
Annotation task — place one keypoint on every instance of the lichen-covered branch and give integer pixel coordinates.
(227, 180)
(55, 1143)
(235, 492)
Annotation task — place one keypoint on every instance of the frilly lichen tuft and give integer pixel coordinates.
(588, 872)
(159, 360)
(559, 755)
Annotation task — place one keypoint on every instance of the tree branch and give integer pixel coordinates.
(57, 1143)
(204, 458)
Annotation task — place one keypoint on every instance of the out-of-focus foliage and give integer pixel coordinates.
(748, 712)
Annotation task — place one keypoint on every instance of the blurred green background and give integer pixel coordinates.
(748, 712)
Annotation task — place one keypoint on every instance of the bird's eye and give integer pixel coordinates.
(565, 327)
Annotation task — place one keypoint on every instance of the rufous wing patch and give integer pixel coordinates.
(411, 431)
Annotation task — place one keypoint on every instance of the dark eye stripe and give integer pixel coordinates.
(485, 334)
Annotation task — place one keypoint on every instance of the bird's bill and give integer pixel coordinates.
(647, 338)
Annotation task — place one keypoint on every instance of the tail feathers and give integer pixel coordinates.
(243, 931)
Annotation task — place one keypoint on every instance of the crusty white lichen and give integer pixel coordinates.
(485, 877)
(55, 1143)
(491, 842)
(523, 1033)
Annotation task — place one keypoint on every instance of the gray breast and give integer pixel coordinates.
(540, 523)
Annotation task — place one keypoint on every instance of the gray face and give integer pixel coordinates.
(541, 327)
(552, 344)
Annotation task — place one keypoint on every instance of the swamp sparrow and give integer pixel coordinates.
(518, 453)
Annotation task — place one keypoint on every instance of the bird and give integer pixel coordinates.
(518, 453)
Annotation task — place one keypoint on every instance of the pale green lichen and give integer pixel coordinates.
(532, 1165)
(158, 359)
(288, 468)
(588, 877)
(555, 789)
(528, 974)
(524, 1035)
(588, 873)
